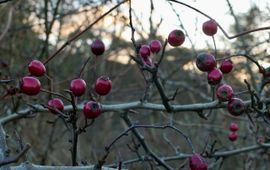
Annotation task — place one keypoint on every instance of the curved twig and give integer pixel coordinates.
(223, 31)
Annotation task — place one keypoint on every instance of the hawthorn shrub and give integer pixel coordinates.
(76, 93)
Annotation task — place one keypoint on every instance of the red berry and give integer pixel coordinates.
(210, 27)
(196, 162)
(205, 62)
(224, 92)
(233, 127)
(98, 47)
(92, 110)
(233, 136)
(214, 77)
(176, 38)
(103, 86)
(147, 61)
(155, 46)
(236, 107)
(54, 104)
(30, 85)
(144, 51)
(36, 68)
(78, 87)
(226, 66)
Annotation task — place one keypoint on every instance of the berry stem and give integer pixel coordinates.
(56, 94)
(215, 46)
(248, 57)
(83, 67)
(163, 52)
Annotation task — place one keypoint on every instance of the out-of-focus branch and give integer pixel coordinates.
(82, 32)
(15, 158)
(9, 19)
(4, 1)
(5, 81)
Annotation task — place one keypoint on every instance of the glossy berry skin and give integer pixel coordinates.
(224, 92)
(54, 104)
(205, 62)
(176, 38)
(144, 51)
(236, 107)
(226, 66)
(36, 68)
(92, 109)
(97, 47)
(196, 162)
(103, 86)
(155, 46)
(233, 127)
(232, 136)
(210, 27)
(214, 77)
(30, 85)
(78, 87)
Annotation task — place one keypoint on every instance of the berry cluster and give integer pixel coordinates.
(206, 62)
(30, 85)
(233, 135)
(225, 93)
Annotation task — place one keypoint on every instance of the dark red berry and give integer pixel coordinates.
(98, 47)
(92, 110)
(103, 86)
(30, 85)
(78, 87)
(210, 27)
(224, 92)
(55, 104)
(155, 46)
(226, 66)
(144, 51)
(233, 127)
(196, 162)
(214, 77)
(147, 61)
(236, 107)
(36, 68)
(176, 38)
(233, 136)
(205, 62)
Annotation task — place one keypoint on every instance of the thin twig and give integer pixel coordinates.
(15, 158)
(82, 32)
(223, 31)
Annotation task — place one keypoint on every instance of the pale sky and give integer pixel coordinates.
(217, 9)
